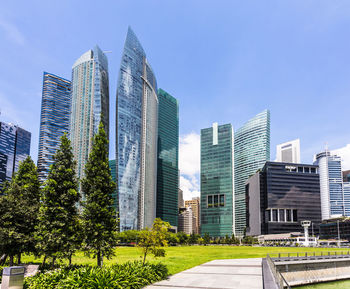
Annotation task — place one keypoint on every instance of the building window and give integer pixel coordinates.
(281, 215)
(289, 216)
(274, 215)
(306, 170)
(216, 200)
(313, 170)
(295, 215)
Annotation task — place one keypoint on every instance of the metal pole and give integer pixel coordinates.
(338, 234)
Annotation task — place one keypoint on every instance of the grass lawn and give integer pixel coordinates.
(327, 285)
(181, 258)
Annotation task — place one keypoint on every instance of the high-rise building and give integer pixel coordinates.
(136, 142)
(252, 150)
(168, 155)
(288, 152)
(346, 176)
(180, 199)
(14, 148)
(331, 183)
(113, 168)
(90, 103)
(187, 221)
(280, 196)
(217, 180)
(194, 205)
(54, 119)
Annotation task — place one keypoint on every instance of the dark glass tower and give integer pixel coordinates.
(14, 148)
(168, 155)
(54, 120)
(217, 180)
(113, 168)
(136, 142)
(252, 150)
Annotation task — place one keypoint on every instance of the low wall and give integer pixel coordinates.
(302, 272)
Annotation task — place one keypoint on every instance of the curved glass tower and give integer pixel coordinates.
(136, 141)
(252, 150)
(90, 102)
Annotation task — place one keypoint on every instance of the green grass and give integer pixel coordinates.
(181, 258)
(327, 285)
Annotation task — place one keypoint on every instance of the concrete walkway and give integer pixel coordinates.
(217, 274)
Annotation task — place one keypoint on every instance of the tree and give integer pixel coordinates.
(206, 239)
(151, 240)
(99, 216)
(19, 205)
(183, 237)
(58, 228)
(193, 238)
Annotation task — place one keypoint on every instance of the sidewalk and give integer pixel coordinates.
(217, 274)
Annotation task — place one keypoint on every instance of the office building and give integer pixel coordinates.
(180, 202)
(194, 205)
(332, 228)
(216, 199)
(282, 195)
(288, 152)
(168, 158)
(187, 221)
(14, 148)
(252, 150)
(346, 176)
(54, 119)
(113, 168)
(136, 141)
(331, 183)
(90, 103)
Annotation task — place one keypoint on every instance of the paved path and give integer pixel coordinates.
(217, 274)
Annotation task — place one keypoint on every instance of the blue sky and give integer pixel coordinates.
(225, 61)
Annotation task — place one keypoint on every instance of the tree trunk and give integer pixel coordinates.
(19, 258)
(43, 263)
(99, 258)
(53, 262)
(11, 260)
(70, 259)
(144, 256)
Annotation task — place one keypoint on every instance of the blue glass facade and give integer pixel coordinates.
(54, 120)
(136, 142)
(168, 155)
(90, 103)
(14, 148)
(252, 150)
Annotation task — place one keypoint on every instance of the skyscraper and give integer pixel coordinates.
(216, 204)
(252, 150)
(14, 148)
(288, 152)
(331, 183)
(168, 155)
(54, 119)
(136, 142)
(113, 168)
(194, 204)
(90, 103)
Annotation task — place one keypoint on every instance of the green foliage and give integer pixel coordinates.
(249, 240)
(150, 240)
(193, 239)
(183, 237)
(130, 236)
(59, 227)
(120, 276)
(172, 238)
(19, 208)
(206, 239)
(99, 216)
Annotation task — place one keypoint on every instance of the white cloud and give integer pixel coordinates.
(344, 153)
(189, 163)
(12, 31)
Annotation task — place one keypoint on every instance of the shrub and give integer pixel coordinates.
(131, 275)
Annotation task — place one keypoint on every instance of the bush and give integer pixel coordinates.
(131, 275)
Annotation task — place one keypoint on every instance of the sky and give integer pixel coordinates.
(225, 61)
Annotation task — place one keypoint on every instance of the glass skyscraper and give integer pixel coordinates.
(252, 150)
(168, 155)
(217, 180)
(136, 142)
(90, 103)
(54, 120)
(331, 183)
(14, 148)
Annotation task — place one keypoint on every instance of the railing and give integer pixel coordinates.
(280, 257)
(279, 279)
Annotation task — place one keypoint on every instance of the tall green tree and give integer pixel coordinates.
(99, 217)
(58, 228)
(19, 206)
